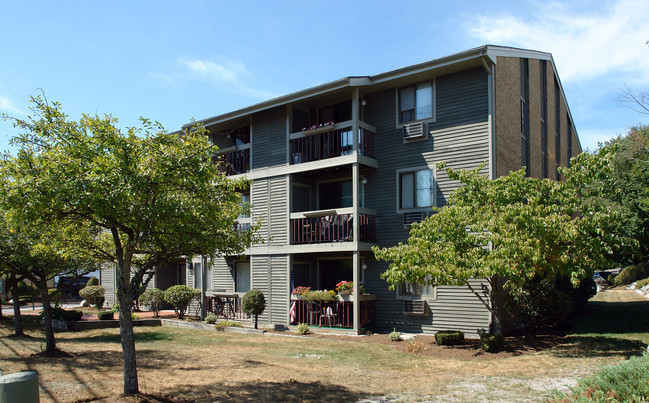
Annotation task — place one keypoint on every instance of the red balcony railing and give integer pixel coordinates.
(235, 162)
(329, 144)
(331, 228)
(331, 314)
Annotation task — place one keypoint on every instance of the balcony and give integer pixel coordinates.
(234, 162)
(331, 226)
(332, 314)
(331, 141)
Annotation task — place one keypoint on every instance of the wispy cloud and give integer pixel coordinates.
(7, 106)
(231, 76)
(585, 43)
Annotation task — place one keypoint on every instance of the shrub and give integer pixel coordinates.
(253, 303)
(641, 283)
(302, 329)
(538, 301)
(73, 315)
(115, 308)
(627, 382)
(106, 315)
(92, 281)
(211, 318)
(94, 295)
(449, 337)
(492, 343)
(26, 291)
(153, 299)
(135, 316)
(226, 323)
(180, 296)
(395, 336)
(632, 273)
(414, 346)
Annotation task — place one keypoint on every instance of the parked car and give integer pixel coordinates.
(69, 286)
(601, 282)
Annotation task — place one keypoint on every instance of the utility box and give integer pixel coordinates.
(19, 387)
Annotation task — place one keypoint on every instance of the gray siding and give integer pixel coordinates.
(221, 275)
(260, 268)
(460, 137)
(107, 280)
(269, 138)
(269, 204)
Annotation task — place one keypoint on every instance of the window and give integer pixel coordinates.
(416, 189)
(416, 102)
(301, 197)
(407, 289)
(242, 277)
(198, 276)
(245, 201)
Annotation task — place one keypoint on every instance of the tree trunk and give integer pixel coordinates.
(256, 317)
(50, 343)
(18, 320)
(128, 341)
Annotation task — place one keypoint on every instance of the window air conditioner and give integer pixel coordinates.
(414, 307)
(414, 130)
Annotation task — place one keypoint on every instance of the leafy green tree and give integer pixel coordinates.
(253, 303)
(155, 196)
(39, 253)
(512, 228)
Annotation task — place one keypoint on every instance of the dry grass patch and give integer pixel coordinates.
(178, 365)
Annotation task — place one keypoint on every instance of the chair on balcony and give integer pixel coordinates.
(328, 317)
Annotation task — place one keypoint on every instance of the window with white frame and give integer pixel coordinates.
(416, 189)
(416, 102)
(407, 289)
(245, 201)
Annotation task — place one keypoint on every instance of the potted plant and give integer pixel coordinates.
(345, 287)
(298, 292)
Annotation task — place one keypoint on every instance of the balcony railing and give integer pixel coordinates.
(227, 306)
(234, 162)
(335, 142)
(331, 314)
(331, 228)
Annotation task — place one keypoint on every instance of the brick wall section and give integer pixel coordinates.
(508, 119)
(535, 119)
(507, 115)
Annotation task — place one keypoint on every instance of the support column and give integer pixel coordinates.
(355, 128)
(357, 257)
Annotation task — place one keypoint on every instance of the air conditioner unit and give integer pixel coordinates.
(415, 130)
(414, 307)
(413, 216)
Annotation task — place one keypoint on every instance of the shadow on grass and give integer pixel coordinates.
(598, 346)
(290, 391)
(603, 317)
(143, 337)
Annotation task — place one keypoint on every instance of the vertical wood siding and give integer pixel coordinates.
(107, 276)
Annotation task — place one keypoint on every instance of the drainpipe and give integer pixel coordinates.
(203, 287)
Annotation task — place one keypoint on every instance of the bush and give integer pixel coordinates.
(395, 336)
(632, 273)
(302, 329)
(115, 308)
(449, 337)
(92, 281)
(492, 343)
(26, 291)
(106, 315)
(641, 283)
(538, 301)
(153, 299)
(414, 346)
(254, 303)
(180, 296)
(627, 382)
(319, 296)
(94, 295)
(211, 318)
(226, 323)
(73, 315)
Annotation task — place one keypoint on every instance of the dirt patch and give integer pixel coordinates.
(469, 348)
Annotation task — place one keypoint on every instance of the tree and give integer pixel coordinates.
(156, 196)
(39, 253)
(510, 228)
(253, 303)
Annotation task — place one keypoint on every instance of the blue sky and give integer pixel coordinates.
(172, 61)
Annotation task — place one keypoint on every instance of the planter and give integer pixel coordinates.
(344, 292)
